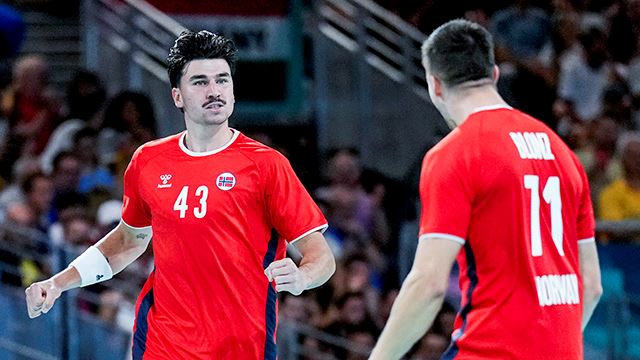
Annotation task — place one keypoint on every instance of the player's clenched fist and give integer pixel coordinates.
(40, 297)
(287, 276)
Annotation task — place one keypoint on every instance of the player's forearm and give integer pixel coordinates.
(411, 316)
(66, 279)
(317, 268)
(121, 247)
(591, 280)
(590, 297)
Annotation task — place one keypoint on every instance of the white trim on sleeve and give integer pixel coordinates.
(454, 238)
(587, 240)
(320, 228)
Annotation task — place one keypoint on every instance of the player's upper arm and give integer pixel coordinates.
(590, 268)
(434, 259)
(313, 244)
(292, 211)
(124, 238)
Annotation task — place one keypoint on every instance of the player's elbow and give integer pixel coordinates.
(591, 285)
(592, 289)
(425, 287)
(329, 266)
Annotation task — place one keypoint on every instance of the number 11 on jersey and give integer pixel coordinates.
(551, 195)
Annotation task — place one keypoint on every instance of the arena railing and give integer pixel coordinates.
(126, 42)
(386, 41)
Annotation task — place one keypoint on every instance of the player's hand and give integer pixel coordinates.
(287, 276)
(40, 297)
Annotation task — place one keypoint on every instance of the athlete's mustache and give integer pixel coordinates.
(215, 101)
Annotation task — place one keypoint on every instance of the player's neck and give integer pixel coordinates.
(207, 138)
(465, 101)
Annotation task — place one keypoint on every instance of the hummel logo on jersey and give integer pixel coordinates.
(165, 181)
(98, 277)
(226, 181)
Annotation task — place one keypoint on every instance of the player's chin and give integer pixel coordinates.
(216, 120)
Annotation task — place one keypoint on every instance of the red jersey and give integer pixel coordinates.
(506, 187)
(218, 220)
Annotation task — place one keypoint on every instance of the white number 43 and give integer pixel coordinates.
(181, 202)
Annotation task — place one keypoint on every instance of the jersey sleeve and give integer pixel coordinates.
(292, 211)
(586, 220)
(135, 213)
(446, 196)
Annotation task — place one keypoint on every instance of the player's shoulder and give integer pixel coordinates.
(450, 146)
(257, 151)
(153, 148)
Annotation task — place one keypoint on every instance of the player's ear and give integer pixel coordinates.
(435, 84)
(496, 74)
(177, 98)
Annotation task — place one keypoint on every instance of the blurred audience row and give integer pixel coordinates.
(574, 64)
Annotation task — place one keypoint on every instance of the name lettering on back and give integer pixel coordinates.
(532, 145)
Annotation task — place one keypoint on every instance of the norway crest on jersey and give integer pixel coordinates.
(226, 181)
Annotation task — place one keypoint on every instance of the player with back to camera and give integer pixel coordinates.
(219, 206)
(509, 199)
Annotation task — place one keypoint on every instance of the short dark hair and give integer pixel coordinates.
(203, 44)
(459, 51)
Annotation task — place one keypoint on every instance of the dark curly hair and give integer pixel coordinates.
(203, 44)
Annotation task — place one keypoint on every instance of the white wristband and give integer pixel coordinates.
(92, 266)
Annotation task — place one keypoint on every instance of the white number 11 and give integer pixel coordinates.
(551, 195)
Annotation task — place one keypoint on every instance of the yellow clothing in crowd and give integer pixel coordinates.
(618, 201)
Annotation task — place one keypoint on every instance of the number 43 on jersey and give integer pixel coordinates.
(202, 192)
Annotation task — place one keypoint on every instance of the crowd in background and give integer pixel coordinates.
(574, 64)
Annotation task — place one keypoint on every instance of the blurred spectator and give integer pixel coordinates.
(292, 311)
(361, 342)
(12, 32)
(78, 230)
(115, 308)
(360, 277)
(563, 45)
(65, 205)
(24, 222)
(38, 195)
(13, 191)
(353, 317)
(384, 310)
(598, 155)
(624, 31)
(85, 97)
(430, 347)
(520, 32)
(129, 121)
(108, 216)
(583, 79)
(633, 78)
(32, 109)
(92, 174)
(66, 172)
(620, 200)
(355, 215)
